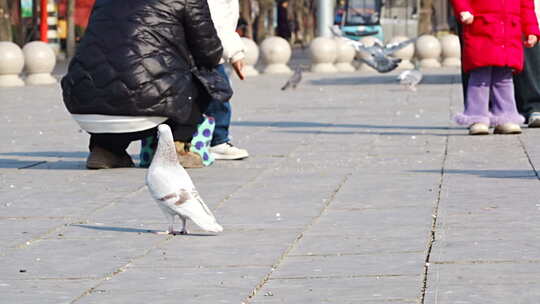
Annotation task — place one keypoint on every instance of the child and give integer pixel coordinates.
(492, 51)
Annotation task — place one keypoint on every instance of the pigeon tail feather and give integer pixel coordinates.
(286, 86)
(197, 211)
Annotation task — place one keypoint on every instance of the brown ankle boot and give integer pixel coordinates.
(101, 158)
(187, 158)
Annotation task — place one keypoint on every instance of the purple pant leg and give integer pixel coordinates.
(503, 103)
(477, 102)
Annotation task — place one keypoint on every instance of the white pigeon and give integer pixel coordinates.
(172, 188)
(410, 78)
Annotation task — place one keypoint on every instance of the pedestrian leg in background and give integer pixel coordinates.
(527, 87)
(504, 114)
(221, 146)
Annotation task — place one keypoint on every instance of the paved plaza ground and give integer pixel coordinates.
(356, 191)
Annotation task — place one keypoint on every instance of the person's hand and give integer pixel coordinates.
(238, 67)
(531, 41)
(466, 17)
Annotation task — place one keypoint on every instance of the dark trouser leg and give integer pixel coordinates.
(108, 150)
(527, 83)
(117, 143)
(221, 111)
(464, 76)
(184, 131)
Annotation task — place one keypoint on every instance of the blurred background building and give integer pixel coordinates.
(294, 20)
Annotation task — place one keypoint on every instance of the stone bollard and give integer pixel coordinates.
(40, 60)
(252, 55)
(276, 52)
(11, 64)
(367, 41)
(428, 49)
(323, 53)
(345, 55)
(405, 54)
(451, 50)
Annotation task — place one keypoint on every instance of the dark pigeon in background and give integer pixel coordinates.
(379, 54)
(294, 80)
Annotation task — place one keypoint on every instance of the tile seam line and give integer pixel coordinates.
(314, 220)
(119, 270)
(282, 257)
(72, 220)
(528, 155)
(432, 235)
(277, 164)
(126, 266)
(435, 214)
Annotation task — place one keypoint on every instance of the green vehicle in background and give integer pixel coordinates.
(360, 18)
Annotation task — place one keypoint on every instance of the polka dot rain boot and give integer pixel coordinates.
(202, 138)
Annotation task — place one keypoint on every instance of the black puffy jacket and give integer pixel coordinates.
(134, 58)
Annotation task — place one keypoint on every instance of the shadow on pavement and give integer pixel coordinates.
(522, 174)
(389, 133)
(116, 229)
(132, 230)
(307, 124)
(59, 154)
(386, 79)
(43, 162)
(7, 163)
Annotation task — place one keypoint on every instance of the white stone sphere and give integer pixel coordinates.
(323, 53)
(323, 49)
(276, 52)
(367, 41)
(451, 50)
(11, 59)
(405, 54)
(345, 55)
(252, 55)
(251, 50)
(428, 49)
(39, 57)
(11, 64)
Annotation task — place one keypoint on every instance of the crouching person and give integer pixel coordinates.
(133, 70)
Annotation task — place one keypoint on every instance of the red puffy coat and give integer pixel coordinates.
(495, 38)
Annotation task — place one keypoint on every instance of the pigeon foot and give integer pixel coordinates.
(172, 232)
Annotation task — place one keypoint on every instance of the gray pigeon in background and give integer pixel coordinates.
(172, 188)
(294, 80)
(379, 55)
(410, 78)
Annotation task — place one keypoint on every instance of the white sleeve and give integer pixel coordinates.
(225, 14)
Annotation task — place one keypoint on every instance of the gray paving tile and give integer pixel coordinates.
(338, 195)
(341, 290)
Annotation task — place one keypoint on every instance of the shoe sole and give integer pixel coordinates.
(101, 166)
(479, 133)
(507, 132)
(229, 157)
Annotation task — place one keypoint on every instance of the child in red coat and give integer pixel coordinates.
(493, 32)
